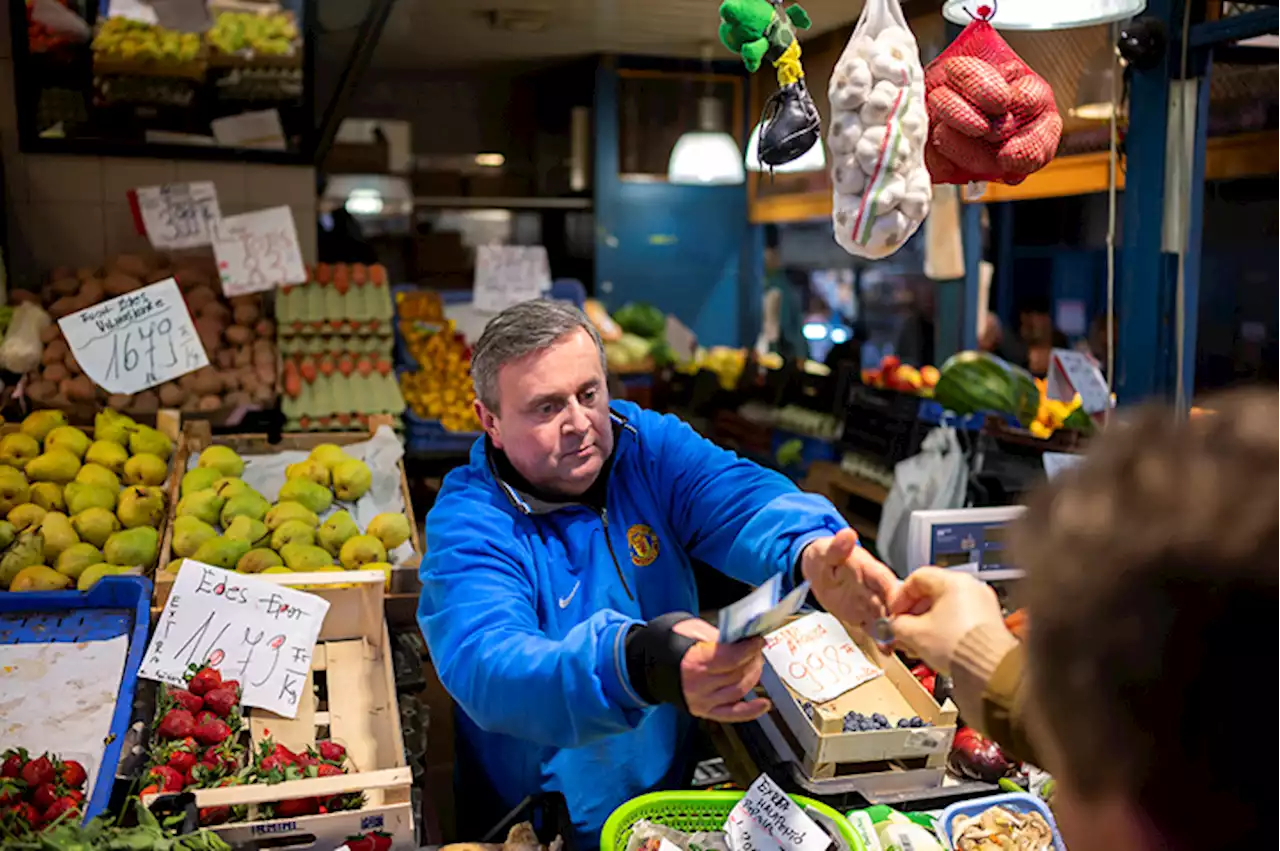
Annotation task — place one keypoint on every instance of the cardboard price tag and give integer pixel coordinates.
(1056, 462)
(178, 215)
(816, 658)
(509, 274)
(253, 631)
(258, 251)
(766, 819)
(1072, 372)
(135, 341)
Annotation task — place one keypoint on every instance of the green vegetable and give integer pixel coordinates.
(1080, 421)
(643, 320)
(1009, 786)
(629, 350)
(975, 382)
(790, 453)
(102, 834)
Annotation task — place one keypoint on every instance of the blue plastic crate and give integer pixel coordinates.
(932, 412)
(812, 449)
(1019, 802)
(423, 435)
(117, 605)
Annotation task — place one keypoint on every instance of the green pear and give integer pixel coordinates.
(206, 505)
(26, 551)
(81, 496)
(285, 511)
(189, 533)
(58, 533)
(141, 506)
(361, 550)
(26, 515)
(56, 465)
(229, 486)
(174, 566)
(246, 504)
(38, 424)
(256, 561)
(113, 426)
(96, 474)
(95, 525)
(69, 438)
(107, 453)
(94, 572)
(221, 552)
(145, 469)
(392, 528)
(293, 532)
(14, 489)
(308, 469)
(144, 440)
(74, 559)
(17, 449)
(328, 454)
(7, 534)
(133, 547)
(246, 528)
(351, 480)
(199, 479)
(48, 495)
(336, 531)
(304, 557)
(224, 459)
(312, 496)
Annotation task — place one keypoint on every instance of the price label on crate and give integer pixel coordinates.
(178, 215)
(135, 341)
(816, 657)
(766, 819)
(258, 251)
(1072, 372)
(261, 634)
(509, 274)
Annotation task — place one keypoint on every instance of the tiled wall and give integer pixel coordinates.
(72, 210)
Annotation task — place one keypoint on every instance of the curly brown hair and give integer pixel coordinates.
(1152, 592)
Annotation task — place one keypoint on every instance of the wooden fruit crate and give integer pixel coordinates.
(357, 709)
(198, 435)
(826, 751)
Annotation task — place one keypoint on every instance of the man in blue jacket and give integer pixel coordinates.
(557, 587)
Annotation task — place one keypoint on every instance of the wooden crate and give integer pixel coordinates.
(353, 655)
(826, 751)
(198, 435)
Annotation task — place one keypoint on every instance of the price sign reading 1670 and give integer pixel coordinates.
(139, 340)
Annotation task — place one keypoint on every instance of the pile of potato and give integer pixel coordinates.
(237, 335)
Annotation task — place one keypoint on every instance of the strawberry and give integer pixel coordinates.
(38, 772)
(324, 769)
(234, 686)
(284, 753)
(297, 807)
(59, 808)
(331, 751)
(273, 763)
(205, 716)
(73, 774)
(214, 815)
(381, 841)
(359, 843)
(212, 732)
(182, 761)
(24, 812)
(204, 680)
(75, 795)
(220, 759)
(14, 761)
(44, 796)
(221, 701)
(176, 724)
(10, 792)
(168, 779)
(151, 789)
(188, 701)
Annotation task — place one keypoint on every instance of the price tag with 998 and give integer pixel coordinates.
(816, 657)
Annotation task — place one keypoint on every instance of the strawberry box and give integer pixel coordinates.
(335, 770)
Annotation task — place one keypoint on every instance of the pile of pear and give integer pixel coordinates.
(220, 520)
(80, 507)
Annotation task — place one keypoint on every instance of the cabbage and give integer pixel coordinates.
(643, 320)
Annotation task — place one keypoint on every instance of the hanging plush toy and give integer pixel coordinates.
(762, 29)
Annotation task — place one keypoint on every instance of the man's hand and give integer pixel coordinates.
(847, 580)
(715, 677)
(936, 608)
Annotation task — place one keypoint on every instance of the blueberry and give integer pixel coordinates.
(879, 719)
(917, 721)
(808, 710)
(904, 722)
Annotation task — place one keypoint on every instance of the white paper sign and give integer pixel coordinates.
(179, 215)
(135, 341)
(1073, 372)
(258, 251)
(761, 611)
(766, 819)
(1056, 462)
(815, 656)
(133, 10)
(509, 274)
(251, 630)
(681, 341)
(258, 129)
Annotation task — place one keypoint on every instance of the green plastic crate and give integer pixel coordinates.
(691, 812)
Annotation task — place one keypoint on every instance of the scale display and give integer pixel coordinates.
(968, 539)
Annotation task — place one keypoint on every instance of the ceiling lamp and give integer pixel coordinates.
(814, 159)
(1044, 14)
(1099, 81)
(707, 156)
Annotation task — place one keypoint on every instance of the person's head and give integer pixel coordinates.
(541, 394)
(990, 333)
(1151, 594)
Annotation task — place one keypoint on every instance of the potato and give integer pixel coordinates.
(50, 333)
(78, 389)
(244, 357)
(64, 287)
(245, 310)
(93, 291)
(54, 352)
(215, 310)
(42, 392)
(72, 365)
(238, 335)
(130, 264)
(146, 402)
(209, 403)
(226, 358)
(118, 401)
(199, 297)
(118, 284)
(55, 372)
(264, 395)
(191, 403)
(265, 373)
(265, 329)
(63, 306)
(171, 395)
(207, 381)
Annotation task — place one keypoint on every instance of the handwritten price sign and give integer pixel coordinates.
(250, 630)
(258, 251)
(766, 819)
(179, 215)
(815, 656)
(509, 274)
(137, 340)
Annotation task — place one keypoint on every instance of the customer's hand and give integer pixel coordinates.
(935, 609)
(847, 580)
(715, 677)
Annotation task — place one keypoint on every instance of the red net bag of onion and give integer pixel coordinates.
(991, 118)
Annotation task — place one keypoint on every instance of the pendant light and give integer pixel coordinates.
(1045, 14)
(707, 156)
(814, 159)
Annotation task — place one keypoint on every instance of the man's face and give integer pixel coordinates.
(553, 423)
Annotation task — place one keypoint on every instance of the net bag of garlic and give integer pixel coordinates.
(991, 118)
(879, 125)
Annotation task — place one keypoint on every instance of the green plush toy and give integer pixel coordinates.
(762, 29)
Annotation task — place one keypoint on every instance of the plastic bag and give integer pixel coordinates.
(990, 116)
(936, 478)
(879, 127)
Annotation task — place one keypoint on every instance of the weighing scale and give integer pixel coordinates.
(968, 539)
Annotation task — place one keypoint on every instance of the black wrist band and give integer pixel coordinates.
(654, 651)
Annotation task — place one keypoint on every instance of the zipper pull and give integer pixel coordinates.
(604, 517)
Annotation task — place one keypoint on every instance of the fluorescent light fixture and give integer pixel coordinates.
(815, 331)
(814, 159)
(839, 335)
(1044, 14)
(364, 202)
(707, 156)
(490, 160)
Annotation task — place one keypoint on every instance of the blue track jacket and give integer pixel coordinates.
(525, 606)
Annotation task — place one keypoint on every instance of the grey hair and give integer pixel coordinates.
(521, 330)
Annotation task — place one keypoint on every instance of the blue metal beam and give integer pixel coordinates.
(1234, 28)
(971, 236)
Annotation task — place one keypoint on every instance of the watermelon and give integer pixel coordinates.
(978, 382)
